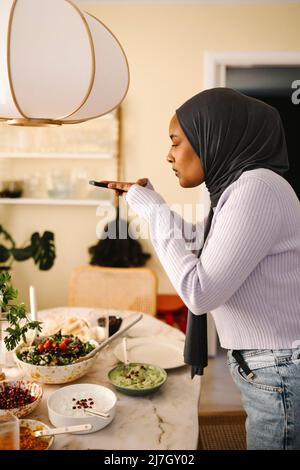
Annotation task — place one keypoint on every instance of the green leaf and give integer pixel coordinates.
(43, 249)
(17, 332)
(7, 236)
(9, 294)
(16, 314)
(35, 325)
(22, 254)
(4, 254)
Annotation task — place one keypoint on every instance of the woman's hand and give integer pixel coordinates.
(121, 187)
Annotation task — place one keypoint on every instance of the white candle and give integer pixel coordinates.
(32, 298)
(126, 362)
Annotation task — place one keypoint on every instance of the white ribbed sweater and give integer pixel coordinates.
(248, 275)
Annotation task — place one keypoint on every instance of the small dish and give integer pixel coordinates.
(66, 406)
(137, 379)
(33, 389)
(35, 425)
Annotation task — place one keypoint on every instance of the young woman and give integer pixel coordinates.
(248, 272)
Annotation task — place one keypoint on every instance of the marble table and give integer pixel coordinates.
(168, 419)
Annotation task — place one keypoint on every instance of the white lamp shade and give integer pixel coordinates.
(57, 63)
(111, 77)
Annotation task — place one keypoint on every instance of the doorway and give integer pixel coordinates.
(266, 76)
(273, 85)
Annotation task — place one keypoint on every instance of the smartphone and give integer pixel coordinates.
(102, 185)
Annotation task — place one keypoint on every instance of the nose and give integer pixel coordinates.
(170, 158)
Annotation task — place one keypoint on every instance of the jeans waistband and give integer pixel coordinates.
(266, 356)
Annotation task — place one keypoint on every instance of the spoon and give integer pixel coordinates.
(65, 430)
(97, 413)
(126, 361)
(109, 340)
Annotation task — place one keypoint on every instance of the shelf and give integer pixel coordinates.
(41, 150)
(55, 202)
(71, 156)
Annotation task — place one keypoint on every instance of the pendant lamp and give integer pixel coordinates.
(58, 64)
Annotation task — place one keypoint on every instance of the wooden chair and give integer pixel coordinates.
(116, 288)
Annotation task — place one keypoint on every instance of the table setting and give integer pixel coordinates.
(125, 392)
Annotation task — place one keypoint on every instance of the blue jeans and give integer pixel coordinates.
(271, 398)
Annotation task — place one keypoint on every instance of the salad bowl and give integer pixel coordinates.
(51, 366)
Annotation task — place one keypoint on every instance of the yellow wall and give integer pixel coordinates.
(164, 45)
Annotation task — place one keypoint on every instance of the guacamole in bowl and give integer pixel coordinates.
(137, 379)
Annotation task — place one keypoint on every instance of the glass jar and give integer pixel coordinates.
(9, 431)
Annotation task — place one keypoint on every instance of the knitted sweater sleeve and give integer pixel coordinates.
(243, 231)
(192, 233)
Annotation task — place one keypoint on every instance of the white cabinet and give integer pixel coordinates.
(53, 165)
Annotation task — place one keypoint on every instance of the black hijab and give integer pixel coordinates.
(231, 133)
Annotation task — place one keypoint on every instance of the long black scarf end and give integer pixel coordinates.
(196, 370)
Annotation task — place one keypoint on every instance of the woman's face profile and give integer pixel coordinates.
(183, 157)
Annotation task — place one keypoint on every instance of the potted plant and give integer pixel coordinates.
(15, 314)
(122, 251)
(41, 249)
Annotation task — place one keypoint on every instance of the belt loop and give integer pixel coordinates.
(244, 366)
(296, 354)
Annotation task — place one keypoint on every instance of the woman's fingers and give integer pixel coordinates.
(119, 185)
(123, 186)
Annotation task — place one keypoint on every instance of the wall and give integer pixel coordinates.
(164, 45)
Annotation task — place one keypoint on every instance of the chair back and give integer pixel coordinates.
(119, 288)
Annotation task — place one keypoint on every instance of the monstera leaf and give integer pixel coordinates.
(22, 254)
(5, 251)
(4, 254)
(43, 250)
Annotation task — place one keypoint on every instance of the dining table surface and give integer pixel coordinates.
(164, 420)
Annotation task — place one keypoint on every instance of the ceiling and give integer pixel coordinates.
(241, 2)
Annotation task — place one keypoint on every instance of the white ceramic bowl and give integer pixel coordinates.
(61, 402)
(35, 390)
(35, 425)
(56, 374)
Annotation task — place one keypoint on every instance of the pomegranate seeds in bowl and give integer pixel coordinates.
(19, 397)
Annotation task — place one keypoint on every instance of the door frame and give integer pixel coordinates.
(214, 75)
(215, 63)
